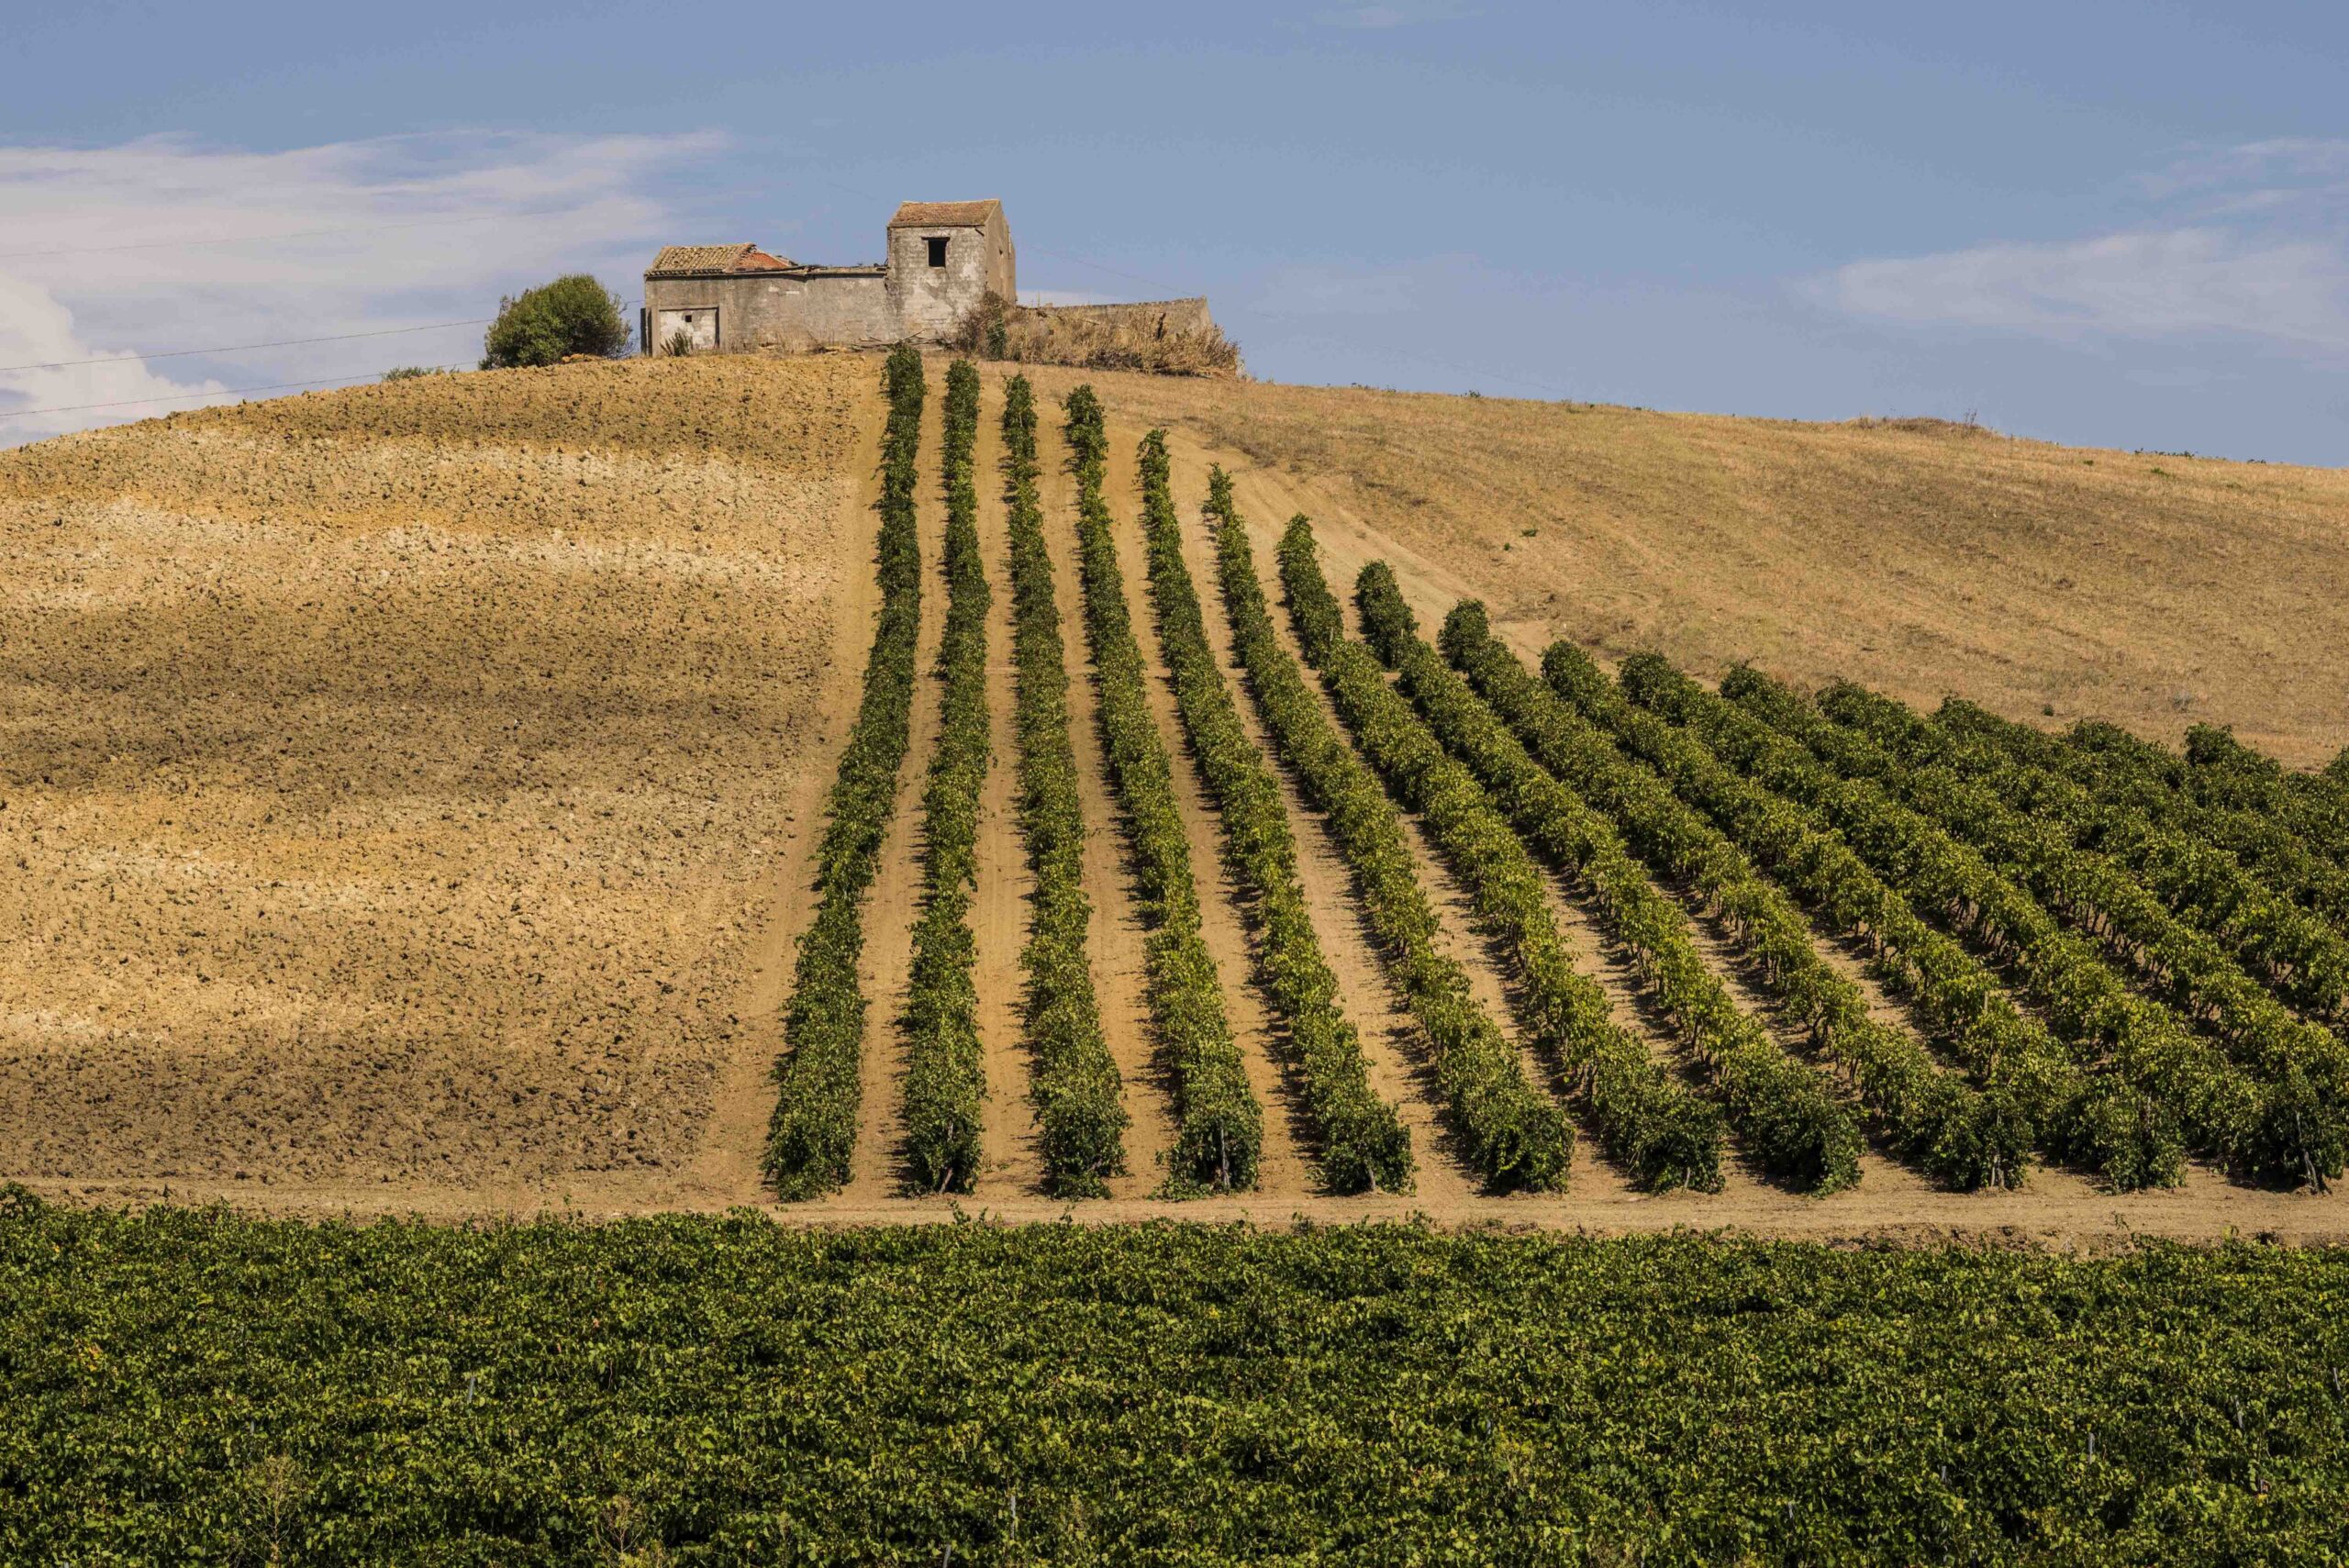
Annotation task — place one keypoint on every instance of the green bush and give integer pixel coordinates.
(2217, 1107)
(1512, 1134)
(1651, 1124)
(1589, 815)
(1364, 1142)
(813, 1133)
(945, 1062)
(2186, 913)
(2302, 1068)
(1219, 1122)
(1664, 778)
(1080, 1113)
(194, 1387)
(573, 315)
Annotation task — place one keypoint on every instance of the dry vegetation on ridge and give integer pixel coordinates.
(403, 785)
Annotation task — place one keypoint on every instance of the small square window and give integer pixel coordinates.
(938, 251)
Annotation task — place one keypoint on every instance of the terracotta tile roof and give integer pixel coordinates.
(687, 261)
(945, 215)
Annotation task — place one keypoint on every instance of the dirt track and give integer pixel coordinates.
(413, 789)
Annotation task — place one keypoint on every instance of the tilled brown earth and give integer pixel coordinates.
(394, 779)
(409, 793)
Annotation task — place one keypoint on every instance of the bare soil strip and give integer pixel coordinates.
(1283, 1165)
(1120, 966)
(895, 903)
(1011, 1164)
(727, 1170)
(1390, 1038)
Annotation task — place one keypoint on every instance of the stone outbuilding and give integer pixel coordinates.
(943, 258)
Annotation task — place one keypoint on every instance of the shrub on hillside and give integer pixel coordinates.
(573, 315)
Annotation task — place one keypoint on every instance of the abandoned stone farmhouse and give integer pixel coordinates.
(943, 258)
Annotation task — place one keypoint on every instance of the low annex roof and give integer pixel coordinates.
(945, 215)
(693, 261)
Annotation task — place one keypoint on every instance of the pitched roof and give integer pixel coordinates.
(687, 260)
(945, 215)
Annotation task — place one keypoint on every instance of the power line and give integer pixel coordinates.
(129, 356)
(188, 397)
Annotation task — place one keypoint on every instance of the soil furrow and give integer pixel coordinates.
(1283, 1166)
(895, 903)
(1119, 963)
(1010, 1160)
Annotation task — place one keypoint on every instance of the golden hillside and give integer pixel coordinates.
(410, 788)
(1919, 557)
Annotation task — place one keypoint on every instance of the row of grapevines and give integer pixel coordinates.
(1080, 1114)
(2089, 889)
(2275, 1129)
(1364, 1143)
(2222, 769)
(1512, 1135)
(1219, 1123)
(2129, 772)
(2096, 1118)
(1647, 1118)
(1957, 1134)
(1783, 1109)
(814, 1129)
(2301, 959)
(945, 1063)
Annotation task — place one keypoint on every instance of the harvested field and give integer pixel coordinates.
(412, 788)
(398, 782)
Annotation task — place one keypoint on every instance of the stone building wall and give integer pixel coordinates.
(766, 302)
(781, 312)
(933, 300)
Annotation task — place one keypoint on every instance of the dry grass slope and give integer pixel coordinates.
(1915, 556)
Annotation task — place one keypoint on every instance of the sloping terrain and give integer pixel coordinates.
(395, 780)
(1917, 556)
(411, 789)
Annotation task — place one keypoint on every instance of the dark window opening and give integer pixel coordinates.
(938, 252)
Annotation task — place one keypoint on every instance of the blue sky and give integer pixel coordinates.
(2125, 225)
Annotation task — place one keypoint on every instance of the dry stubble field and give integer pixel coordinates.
(408, 787)
(396, 779)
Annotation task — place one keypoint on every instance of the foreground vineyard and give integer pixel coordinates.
(724, 1390)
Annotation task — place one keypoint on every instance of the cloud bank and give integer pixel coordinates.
(162, 244)
(2249, 242)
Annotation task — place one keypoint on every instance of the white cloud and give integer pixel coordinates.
(2249, 243)
(2148, 284)
(161, 244)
